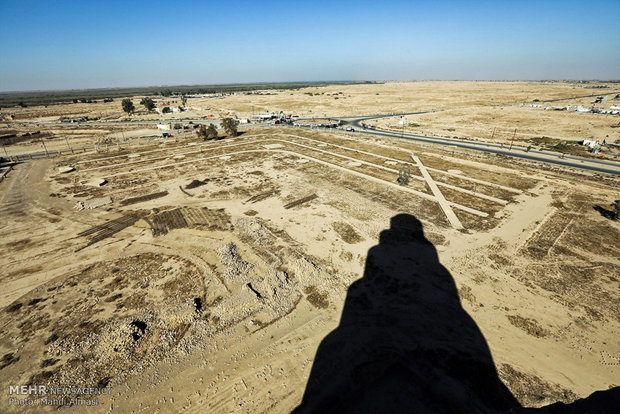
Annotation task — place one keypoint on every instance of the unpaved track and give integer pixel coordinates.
(443, 203)
(25, 199)
(446, 205)
(320, 142)
(338, 167)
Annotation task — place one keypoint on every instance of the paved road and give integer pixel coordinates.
(579, 97)
(597, 165)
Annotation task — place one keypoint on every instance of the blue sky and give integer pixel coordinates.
(90, 43)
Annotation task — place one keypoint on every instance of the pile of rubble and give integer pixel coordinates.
(236, 269)
(93, 203)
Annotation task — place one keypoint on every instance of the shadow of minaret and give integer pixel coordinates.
(404, 343)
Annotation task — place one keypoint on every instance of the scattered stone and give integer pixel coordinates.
(252, 229)
(93, 203)
(98, 182)
(236, 267)
(66, 169)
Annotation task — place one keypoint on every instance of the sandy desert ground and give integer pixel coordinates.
(488, 111)
(214, 276)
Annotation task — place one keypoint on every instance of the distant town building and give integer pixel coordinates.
(264, 117)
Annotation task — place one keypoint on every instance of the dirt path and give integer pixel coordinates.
(271, 147)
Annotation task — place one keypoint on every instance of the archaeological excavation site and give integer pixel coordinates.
(303, 268)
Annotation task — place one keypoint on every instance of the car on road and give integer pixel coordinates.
(349, 129)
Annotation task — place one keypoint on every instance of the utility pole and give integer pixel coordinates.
(493, 135)
(46, 153)
(69, 146)
(513, 139)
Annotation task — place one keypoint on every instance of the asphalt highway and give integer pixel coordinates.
(590, 164)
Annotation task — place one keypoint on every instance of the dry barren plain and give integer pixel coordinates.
(203, 275)
(487, 111)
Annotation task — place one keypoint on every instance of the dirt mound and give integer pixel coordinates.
(254, 231)
(235, 268)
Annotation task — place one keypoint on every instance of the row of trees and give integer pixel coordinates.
(84, 100)
(230, 126)
(148, 103)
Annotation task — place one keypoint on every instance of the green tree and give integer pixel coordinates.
(212, 131)
(128, 105)
(202, 132)
(166, 110)
(148, 104)
(206, 133)
(230, 126)
(183, 100)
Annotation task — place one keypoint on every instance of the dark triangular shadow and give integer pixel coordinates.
(404, 343)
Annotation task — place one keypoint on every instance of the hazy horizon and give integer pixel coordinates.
(347, 81)
(68, 45)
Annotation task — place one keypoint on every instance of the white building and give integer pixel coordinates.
(264, 117)
(173, 109)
